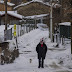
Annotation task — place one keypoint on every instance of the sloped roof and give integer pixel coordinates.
(12, 13)
(65, 23)
(37, 16)
(24, 4)
(37, 1)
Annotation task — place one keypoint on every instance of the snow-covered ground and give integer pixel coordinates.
(27, 48)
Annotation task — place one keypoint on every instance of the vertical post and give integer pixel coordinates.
(51, 22)
(35, 22)
(62, 40)
(5, 14)
(41, 19)
(56, 38)
(27, 29)
(18, 30)
(5, 18)
(61, 10)
(16, 43)
(0, 20)
(53, 37)
(71, 37)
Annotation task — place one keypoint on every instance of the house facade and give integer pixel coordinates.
(9, 6)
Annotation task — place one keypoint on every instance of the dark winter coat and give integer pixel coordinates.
(41, 51)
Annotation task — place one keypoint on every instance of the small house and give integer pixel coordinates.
(65, 29)
(13, 17)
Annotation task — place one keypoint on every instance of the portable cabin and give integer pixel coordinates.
(65, 29)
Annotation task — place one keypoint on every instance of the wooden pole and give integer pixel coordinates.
(5, 19)
(5, 14)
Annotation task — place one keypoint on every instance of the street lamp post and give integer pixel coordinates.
(71, 37)
(51, 19)
(51, 23)
(0, 20)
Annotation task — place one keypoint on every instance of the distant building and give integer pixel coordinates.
(13, 18)
(9, 6)
(65, 29)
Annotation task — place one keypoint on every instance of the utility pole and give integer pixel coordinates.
(61, 10)
(71, 37)
(51, 23)
(5, 19)
(51, 19)
(0, 20)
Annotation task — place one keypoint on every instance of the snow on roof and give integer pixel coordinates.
(13, 13)
(40, 1)
(8, 3)
(31, 2)
(37, 16)
(65, 23)
(2, 12)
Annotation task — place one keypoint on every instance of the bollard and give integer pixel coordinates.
(30, 60)
(56, 38)
(53, 37)
(62, 40)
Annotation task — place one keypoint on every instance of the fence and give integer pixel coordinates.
(20, 30)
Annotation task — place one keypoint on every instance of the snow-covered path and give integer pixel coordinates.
(27, 45)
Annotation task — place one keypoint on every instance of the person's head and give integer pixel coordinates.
(41, 41)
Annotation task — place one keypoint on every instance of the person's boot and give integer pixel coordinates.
(42, 63)
(39, 64)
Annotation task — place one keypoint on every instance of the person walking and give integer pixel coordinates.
(41, 50)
